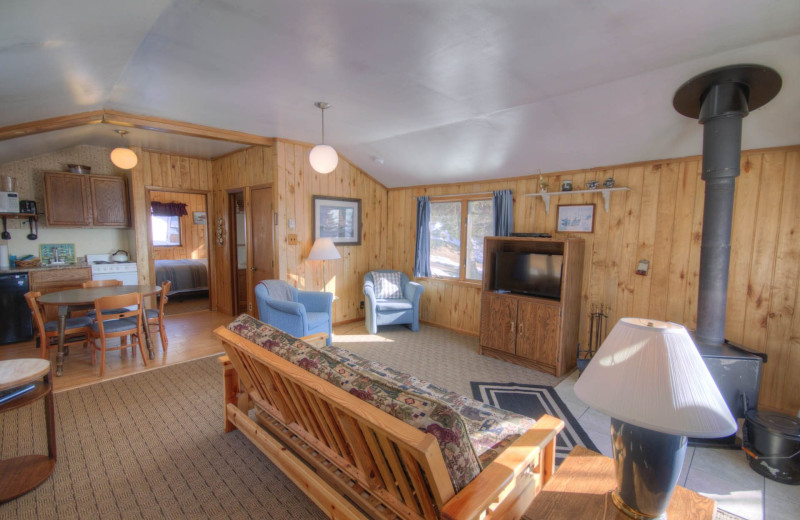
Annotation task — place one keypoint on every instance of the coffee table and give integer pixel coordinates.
(582, 486)
(21, 474)
(78, 299)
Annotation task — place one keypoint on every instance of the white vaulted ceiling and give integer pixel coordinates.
(440, 90)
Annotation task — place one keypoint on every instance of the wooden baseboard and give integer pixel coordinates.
(460, 331)
(517, 360)
(345, 322)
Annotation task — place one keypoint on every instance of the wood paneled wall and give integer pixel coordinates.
(659, 220)
(296, 183)
(169, 173)
(238, 171)
(286, 168)
(193, 236)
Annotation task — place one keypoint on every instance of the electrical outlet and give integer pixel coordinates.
(362, 304)
(292, 239)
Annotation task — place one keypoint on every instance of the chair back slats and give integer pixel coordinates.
(396, 464)
(115, 302)
(101, 283)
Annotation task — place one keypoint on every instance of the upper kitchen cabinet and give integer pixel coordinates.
(109, 201)
(80, 200)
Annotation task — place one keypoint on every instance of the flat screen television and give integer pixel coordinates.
(536, 274)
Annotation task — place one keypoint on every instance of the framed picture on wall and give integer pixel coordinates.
(337, 218)
(575, 218)
(200, 217)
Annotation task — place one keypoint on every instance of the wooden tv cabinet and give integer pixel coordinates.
(539, 333)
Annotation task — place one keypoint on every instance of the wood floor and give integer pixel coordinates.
(189, 338)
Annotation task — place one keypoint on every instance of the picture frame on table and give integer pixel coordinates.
(337, 218)
(575, 218)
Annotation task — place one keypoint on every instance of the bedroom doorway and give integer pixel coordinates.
(179, 238)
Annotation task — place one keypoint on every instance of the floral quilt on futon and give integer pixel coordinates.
(471, 434)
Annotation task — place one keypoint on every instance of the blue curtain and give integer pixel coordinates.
(503, 213)
(422, 258)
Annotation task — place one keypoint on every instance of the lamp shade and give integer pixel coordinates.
(323, 249)
(323, 158)
(124, 158)
(648, 373)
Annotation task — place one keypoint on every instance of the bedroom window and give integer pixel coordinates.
(166, 230)
(457, 228)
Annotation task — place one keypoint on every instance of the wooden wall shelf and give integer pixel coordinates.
(605, 192)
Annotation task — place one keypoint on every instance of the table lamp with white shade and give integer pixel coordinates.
(649, 377)
(323, 249)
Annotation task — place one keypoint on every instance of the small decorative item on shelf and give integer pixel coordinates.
(608, 183)
(592, 185)
(543, 185)
(566, 185)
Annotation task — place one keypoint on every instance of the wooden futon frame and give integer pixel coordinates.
(356, 461)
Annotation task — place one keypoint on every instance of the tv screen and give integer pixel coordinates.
(535, 274)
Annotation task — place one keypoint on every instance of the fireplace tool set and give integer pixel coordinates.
(598, 329)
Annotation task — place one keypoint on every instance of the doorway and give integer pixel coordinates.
(251, 245)
(179, 241)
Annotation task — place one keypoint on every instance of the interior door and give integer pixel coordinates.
(261, 261)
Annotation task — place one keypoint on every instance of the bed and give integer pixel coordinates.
(187, 276)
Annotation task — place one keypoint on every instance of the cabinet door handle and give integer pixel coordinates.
(512, 327)
(520, 328)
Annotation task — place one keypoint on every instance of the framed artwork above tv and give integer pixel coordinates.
(575, 218)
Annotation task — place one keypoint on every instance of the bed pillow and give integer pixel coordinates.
(388, 285)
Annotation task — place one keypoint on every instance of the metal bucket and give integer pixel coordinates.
(772, 444)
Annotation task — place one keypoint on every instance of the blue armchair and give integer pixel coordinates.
(295, 312)
(384, 308)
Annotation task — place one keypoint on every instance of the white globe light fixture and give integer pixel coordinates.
(123, 157)
(323, 157)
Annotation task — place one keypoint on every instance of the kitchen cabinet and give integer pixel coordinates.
(65, 200)
(109, 201)
(539, 333)
(80, 200)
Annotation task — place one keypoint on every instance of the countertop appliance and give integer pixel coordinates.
(103, 268)
(15, 316)
(9, 202)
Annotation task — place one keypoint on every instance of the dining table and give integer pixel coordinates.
(81, 299)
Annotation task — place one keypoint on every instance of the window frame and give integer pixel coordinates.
(180, 231)
(462, 264)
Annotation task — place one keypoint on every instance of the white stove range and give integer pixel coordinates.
(104, 269)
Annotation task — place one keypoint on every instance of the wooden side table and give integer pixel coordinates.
(21, 474)
(582, 486)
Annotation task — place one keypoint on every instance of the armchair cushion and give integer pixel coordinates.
(388, 284)
(393, 305)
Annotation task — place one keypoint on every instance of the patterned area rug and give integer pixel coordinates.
(534, 401)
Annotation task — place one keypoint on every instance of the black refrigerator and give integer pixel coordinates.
(15, 316)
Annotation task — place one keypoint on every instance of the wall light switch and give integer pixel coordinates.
(292, 239)
(291, 223)
(642, 267)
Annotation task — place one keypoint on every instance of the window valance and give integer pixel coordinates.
(168, 209)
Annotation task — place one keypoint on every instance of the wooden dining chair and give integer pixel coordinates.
(156, 316)
(102, 283)
(122, 325)
(76, 332)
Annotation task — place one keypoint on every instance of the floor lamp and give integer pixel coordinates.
(649, 377)
(323, 249)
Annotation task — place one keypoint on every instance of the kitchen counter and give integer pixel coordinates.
(14, 270)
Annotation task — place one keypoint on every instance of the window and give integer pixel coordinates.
(166, 230)
(456, 249)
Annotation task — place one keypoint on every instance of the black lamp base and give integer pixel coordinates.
(648, 464)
